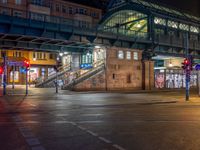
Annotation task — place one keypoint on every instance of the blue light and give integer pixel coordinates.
(86, 66)
(197, 67)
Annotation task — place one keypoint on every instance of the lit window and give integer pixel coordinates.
(18, 2)
(172, 24)
(128, 55)
(17, 54)
(160, 21)
(39, 55)
(120, 54)
(194, 29)
(184, 27)
(135, 55)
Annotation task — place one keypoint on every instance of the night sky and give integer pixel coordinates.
(190, 6)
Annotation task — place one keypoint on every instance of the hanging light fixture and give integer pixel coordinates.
(170, 63)
(61, 54)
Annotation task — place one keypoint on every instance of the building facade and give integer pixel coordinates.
(43, 9)
(41, 65)
(43, 62)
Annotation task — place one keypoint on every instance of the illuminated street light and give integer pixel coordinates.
(57, 58)
(170, 65)
(34, 59)
(88, 53)
(61, 54)
(97, 46)
(138, 25)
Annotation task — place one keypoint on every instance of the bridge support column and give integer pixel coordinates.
(148, 75)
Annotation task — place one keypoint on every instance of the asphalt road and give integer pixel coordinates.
(98, 121)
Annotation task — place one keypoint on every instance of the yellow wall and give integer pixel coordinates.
(29, 55)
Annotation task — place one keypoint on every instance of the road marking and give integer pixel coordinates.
(118, 147)
(38, 148)
(33, 141)
(105, 140)
(90, 122)
(92, 133)
(73, 123)
(82, 128)
(92, 115)
(61, 115)
(60, 122)
(33, 105)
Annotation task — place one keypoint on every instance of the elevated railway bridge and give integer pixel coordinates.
(133, 24)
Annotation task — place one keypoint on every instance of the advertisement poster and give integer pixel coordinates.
(34, 74)
(16, 76)
(159, 80)
(173, 79)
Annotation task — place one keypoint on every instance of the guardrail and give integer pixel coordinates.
(73, 76)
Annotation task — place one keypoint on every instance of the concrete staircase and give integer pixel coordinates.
(80, 75)
(49, 82)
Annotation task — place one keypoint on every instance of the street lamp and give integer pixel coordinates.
(170, 63)
(97, 47)
(61, 54)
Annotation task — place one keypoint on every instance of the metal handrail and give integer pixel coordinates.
(61, 70)
(79, 73)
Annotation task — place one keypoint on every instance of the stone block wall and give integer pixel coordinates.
(95, 83)
(124, 74)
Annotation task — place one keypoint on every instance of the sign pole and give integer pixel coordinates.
(199, 81)
(56, 81)
(187, 79)
(4, 74)
(26, 81)
(13, 77)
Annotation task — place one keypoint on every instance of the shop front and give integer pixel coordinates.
(174, 79)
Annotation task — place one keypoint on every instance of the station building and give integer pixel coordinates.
(138, 43)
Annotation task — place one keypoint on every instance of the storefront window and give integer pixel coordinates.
(135, 55)
(172, 24)
(16, 76)
(87, 58)
(120, 54)
(33, 74)
(128, 55)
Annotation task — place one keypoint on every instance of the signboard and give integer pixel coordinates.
(15, 63)
(16, 76)
(86, 66)
(197, 67)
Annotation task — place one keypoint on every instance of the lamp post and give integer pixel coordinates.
(187, 71)
(5, 73)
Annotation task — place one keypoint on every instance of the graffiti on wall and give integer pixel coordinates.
(173, 79)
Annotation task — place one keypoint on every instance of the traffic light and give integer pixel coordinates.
(191, 63)
(27, 64)
(186, 64)
(1, 70)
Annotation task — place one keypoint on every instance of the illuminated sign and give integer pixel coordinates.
(197, 67)
(86, 66)
(15, 63)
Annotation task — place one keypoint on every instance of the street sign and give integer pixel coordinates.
(15, 63)
(197, 67)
